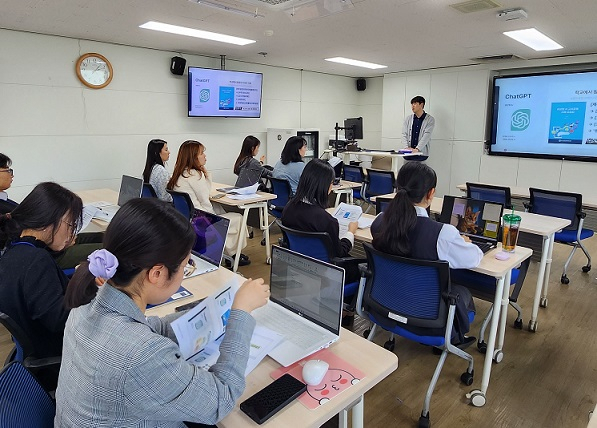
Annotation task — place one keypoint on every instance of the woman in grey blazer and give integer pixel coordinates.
(120, 368)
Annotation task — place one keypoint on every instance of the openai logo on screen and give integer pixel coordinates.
(204, 95)
(521, 119)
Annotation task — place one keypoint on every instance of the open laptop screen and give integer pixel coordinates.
(309, 287)
(210, 232)
(473, 217)
(130, 188)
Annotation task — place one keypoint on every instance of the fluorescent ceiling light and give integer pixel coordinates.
(175, 29)
(534, 39)
(356, 63)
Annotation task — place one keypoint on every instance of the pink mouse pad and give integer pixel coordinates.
(339, 377)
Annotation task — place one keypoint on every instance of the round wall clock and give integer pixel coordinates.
(94, 70)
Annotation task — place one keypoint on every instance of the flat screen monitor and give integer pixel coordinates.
(552, 115)
(224, 93)
(353, 128)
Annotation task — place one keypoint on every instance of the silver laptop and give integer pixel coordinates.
(210, 232)
(130, 188)
(305, 305)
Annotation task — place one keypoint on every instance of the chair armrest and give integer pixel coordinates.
(581, 214)
(365, 271)
(36, 363)
(451, 297)
(345, 261)
(527, 206)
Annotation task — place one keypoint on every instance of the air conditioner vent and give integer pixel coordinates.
(474, 6)
(506, 57)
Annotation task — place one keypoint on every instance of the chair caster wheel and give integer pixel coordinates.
(477, 398)
(424, 421)
(518, 324)
(390, 344)
(498, 356)
(366, 333)
(263, 242)
(251, 235)
(467, 378)
(564, 279)
(482, 347)
(586, 268)
(268, 261)
(543, 302)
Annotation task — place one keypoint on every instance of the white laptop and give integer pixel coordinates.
(210, 232)
(130, 188)
(305, 305)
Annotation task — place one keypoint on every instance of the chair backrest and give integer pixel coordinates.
(148, 191)
(313, 244)
(353, 173)
(556, 204)
(490, 193)
(182, 202)
(381, 204)
(23, 344)
(379, 182)
(281, 188)
(404, 291)
(23, 401)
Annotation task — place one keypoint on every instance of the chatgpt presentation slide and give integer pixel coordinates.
(224, 93)
(548, 114)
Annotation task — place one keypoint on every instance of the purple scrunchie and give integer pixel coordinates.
(102, 263)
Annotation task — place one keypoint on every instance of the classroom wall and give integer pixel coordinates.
(458, 98)
(54, 128)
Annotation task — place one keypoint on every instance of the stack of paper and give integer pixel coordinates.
(345, 214)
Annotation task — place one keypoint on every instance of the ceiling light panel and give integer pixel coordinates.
(191, 32)
(356, 63)
(534, 39)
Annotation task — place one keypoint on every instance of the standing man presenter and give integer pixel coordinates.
(417, 129)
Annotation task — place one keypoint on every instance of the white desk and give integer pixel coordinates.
(376, 362)
(375, 155)
(259, 202)
(501, 271)
(347, 188)
(536, 224)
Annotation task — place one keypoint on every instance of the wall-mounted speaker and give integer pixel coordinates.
(361, 84)
(177, 65)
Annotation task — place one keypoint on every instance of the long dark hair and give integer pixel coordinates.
(154, 147)
(314, 184)
(246, 151)
(415, 180)
(290, 152)
(186, 160)
(143, 233)
(45, 206)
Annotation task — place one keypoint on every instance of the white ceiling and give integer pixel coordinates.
(402, 34)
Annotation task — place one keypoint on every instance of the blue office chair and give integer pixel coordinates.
(381, 204)
(281, 188)
(355, 174)
(319, 246)
(412, 298)
(148, 191)
(182, 202)
(23, 401)
(490, 193)
(378, 182)
(568, 206)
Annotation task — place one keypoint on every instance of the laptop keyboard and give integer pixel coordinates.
(273, 318)
(484, 246)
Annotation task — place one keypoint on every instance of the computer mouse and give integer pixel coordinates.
(314, 371)
(502, 255)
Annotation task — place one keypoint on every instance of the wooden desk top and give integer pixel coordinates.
(372, 359)
(261, 196)
(345, 185)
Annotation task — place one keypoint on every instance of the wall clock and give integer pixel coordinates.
(94, 70)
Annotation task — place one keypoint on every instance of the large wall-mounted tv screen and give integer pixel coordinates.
(224, 93)
(550, 116)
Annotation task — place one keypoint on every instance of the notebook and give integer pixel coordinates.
(130, 187)
(305, 305)
(210, 231)
(476, 219)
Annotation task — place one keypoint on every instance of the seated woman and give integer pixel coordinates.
(32, 285)
(121, 368)
(6, 177)
(246, 161)
(404, 229)
(155, 172)
(190, 176)
(291, 165)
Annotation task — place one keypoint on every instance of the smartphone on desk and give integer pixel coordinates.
(218, 195)
(270, 400)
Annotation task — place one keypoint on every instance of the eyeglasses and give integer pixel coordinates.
(9, 170)
(71, 227)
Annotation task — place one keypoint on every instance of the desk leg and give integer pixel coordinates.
(477, 396)
(357, 409)
(265, 227)
(498, 354)
(243, 230)
(540, 278)
(337, 198)
(543, 301)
